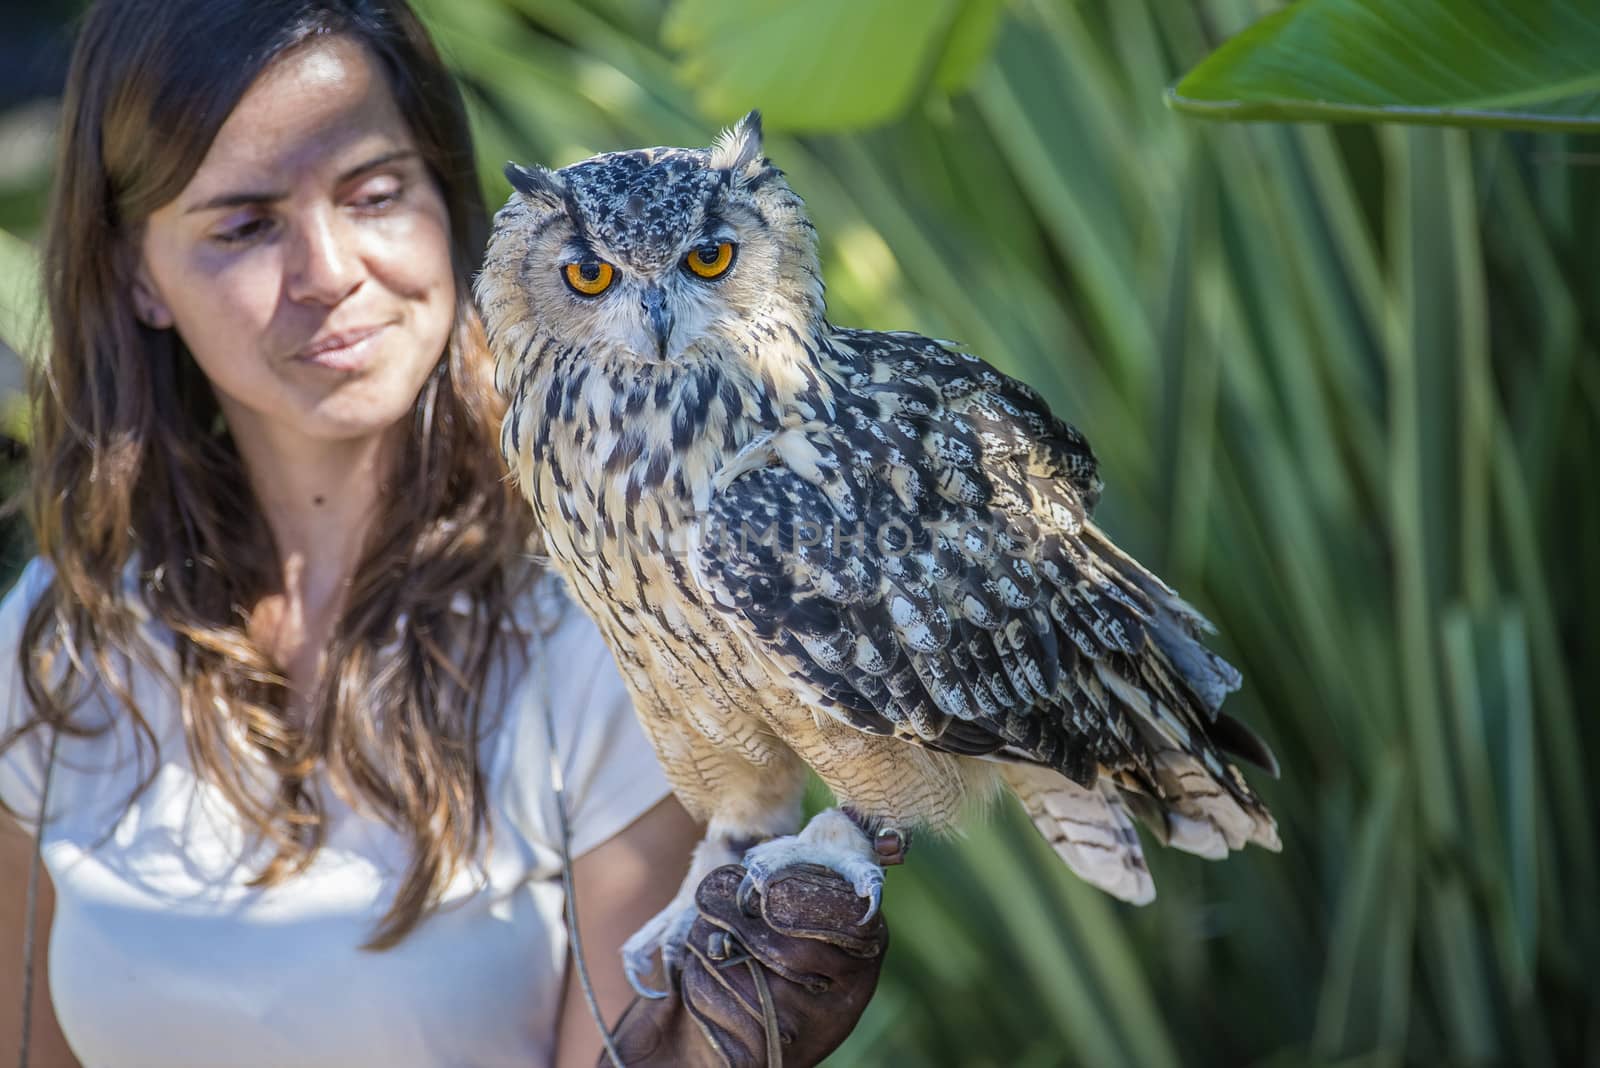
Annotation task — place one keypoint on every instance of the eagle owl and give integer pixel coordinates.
(808, 545)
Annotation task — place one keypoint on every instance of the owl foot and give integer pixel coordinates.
(831, 840)
(668, 930)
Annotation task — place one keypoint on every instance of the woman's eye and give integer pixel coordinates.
(243, 233)
(378, 196)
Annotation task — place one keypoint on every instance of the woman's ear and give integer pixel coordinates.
(148, 306)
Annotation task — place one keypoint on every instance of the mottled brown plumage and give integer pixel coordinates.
(869, 553)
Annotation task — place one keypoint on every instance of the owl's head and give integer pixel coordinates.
(659, 255)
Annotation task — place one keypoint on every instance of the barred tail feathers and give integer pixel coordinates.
(1088, 827)
(1204, 798)
(1201, 814)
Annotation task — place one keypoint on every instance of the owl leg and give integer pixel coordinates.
(831, 840)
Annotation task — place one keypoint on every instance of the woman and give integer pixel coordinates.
(283, 660)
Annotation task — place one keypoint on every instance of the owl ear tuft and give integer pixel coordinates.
(537, 184)
(739, 149)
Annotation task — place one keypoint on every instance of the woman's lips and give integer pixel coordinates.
(346, 352)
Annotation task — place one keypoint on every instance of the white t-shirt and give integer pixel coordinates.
(161, 955)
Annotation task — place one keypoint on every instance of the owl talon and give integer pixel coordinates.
(668, 931)
(637, 971)
(874, 898)
(832, 841)
(644, 990)
(747, 888)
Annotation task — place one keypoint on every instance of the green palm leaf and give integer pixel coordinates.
(1528, 65)
(1344, 388)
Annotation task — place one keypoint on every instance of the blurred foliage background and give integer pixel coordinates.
(1343, 385)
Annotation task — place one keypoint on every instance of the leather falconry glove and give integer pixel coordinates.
(797, 950)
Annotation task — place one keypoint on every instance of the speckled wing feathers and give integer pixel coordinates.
(922, 562)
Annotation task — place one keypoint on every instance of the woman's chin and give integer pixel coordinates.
(363, 406)
(336, 423)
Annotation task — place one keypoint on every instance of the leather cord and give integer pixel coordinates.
(758, 977)
(769, 1015)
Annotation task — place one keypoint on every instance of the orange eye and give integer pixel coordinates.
(590, 278)
(710, 261)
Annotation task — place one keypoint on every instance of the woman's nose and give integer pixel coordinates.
(324, 264)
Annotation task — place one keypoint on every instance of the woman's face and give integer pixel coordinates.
(307, 263)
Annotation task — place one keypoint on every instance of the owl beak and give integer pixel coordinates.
(655, 309)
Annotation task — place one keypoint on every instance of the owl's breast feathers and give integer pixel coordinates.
(623, 449)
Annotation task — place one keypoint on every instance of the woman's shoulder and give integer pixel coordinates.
(143, 666)
(31, 581)
(25, 591)
(22, 758)
(35, 580)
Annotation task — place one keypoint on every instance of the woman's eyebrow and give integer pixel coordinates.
(378, 161)
(235, 200)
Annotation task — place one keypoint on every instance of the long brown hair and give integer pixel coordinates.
(131, 462)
